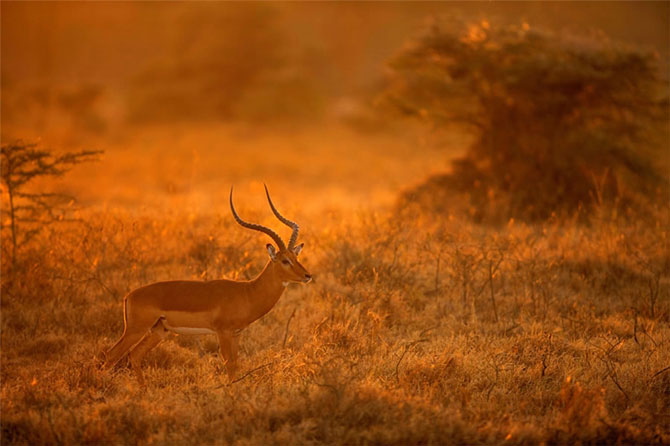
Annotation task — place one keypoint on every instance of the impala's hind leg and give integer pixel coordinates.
(119, 350)
(151, 339)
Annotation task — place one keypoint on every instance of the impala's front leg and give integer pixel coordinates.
(228, 346)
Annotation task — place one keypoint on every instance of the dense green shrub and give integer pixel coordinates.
(560, 122)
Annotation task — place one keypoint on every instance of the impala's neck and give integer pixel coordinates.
(266, 289)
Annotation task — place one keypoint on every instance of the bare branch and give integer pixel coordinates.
(283, 345)
(408, 346)
(20, 163)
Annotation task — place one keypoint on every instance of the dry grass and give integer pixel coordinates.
(418, 328)
(431, 332)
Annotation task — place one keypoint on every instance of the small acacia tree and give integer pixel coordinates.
(560, 123)
(20, 163)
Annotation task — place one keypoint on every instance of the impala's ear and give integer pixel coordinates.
(298, 248)
(272, 251)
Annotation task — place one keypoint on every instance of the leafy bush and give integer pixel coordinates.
(559, 123)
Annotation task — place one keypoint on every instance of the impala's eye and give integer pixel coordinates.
(286, 262)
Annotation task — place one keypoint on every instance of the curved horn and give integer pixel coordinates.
(291, 224)
(256, 227)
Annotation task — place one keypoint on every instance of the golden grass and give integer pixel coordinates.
(416, 330)
(386, 347)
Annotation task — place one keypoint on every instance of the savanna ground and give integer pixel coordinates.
(421, 326)
(416, 329)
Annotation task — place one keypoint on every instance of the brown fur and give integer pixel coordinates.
(222, 306)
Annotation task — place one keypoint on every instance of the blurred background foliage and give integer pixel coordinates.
(236, 64)
(560, 122)
(141, 63)
(543, 111)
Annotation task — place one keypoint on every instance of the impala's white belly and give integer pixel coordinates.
(189, 330)
(187, 323)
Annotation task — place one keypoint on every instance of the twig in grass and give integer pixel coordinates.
(251, 371)
(38, 319)
(612, 376)
(425, 331)
(490, 389)
(492, 272)
(496, 367)
(245, 375)
(511, 328)
(57, 437)
(644, 331)
(659, 372)
(320, 324)
(330, 387)
(404, 352)
(654, 287)
(635, 328)
(283, 345)
(611, 373)
(613, 346)
(546, 355)
(437, 273)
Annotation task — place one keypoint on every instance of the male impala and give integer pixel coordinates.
(221, 307)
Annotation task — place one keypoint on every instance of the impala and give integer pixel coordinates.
(221, 307)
